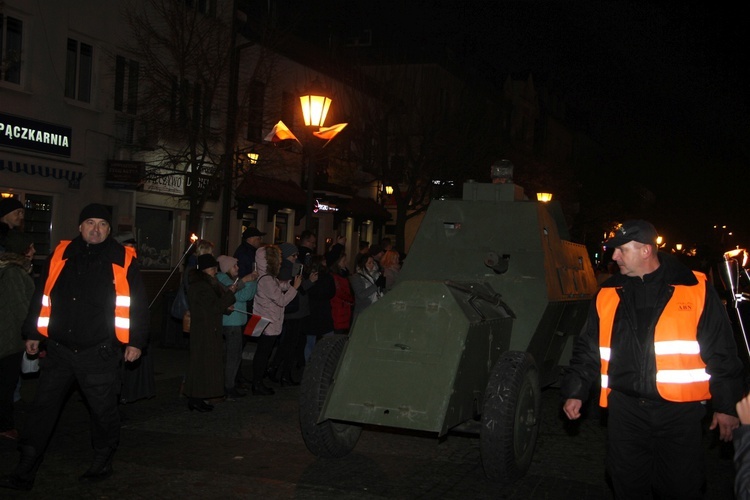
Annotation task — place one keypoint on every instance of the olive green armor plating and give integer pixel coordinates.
(491, 288)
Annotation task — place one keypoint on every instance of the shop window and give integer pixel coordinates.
(249, 218)
(281, 228)
(38, 221)
(154, 237)
(79, 70)
(11, 44)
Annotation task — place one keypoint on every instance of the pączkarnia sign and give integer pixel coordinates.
(32, 135)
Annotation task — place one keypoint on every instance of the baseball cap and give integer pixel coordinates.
(250, 232)
(634, 230)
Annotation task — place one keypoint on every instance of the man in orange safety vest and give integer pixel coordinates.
(659, 343)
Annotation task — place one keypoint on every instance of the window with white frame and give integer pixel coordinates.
(79, 70)
(126, 85)
(11, 45)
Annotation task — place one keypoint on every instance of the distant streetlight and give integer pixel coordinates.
(660, 242)
(678, 247)
(544, 197)
(389, 190)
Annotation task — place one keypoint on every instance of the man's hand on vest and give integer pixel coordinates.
(572, 408)
(132, 353)
(726, 424)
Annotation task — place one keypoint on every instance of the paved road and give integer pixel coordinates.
(252, 448)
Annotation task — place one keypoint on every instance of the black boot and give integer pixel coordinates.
(22, 478)
(101, 466)
(260, 389)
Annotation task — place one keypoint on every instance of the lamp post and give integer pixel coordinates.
(315, 105)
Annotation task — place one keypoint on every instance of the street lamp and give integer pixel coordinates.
(544, 197)
(315, 105)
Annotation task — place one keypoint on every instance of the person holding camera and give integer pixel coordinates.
(271, 297)
(367, 283)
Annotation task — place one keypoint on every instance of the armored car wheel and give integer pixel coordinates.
(326, 439)
(510, 417)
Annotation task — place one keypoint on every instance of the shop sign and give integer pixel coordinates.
(204, 183)
(324, 207)
(124, 174)
(32, 135)
(18, 167)
(165, 181)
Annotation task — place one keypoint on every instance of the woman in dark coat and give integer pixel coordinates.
(320, 295)
(208, 300)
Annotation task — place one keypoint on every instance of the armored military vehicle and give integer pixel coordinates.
(484, 313)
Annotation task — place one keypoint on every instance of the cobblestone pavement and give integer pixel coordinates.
(252, 448)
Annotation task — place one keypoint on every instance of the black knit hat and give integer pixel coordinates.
(7, 205)
(206, 261)
(95, 211)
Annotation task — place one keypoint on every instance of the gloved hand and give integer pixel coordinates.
(380, 282)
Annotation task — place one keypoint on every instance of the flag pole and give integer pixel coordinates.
(193, 239)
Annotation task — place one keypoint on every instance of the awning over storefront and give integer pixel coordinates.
(275, 193)
(361, 208)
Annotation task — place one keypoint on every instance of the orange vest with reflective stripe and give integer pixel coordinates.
(680, 372)
(122, 292)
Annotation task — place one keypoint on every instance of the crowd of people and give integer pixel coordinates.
(301, 294)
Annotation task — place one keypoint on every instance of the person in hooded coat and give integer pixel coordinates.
(208, 300)
(271, 297)
(16, 290)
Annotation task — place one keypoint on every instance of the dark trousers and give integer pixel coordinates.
(232, 354)
(285, 359)
(654, 447)
(97, 371)
(262, 356)
(10, 372)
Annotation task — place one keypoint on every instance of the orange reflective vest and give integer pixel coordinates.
(122, 292)
(680, 372)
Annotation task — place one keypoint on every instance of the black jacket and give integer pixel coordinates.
(245, 255)
(320, 295)
(633, 370)
(83, 298)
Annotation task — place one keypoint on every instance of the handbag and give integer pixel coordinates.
(180, 304)
(29, 365)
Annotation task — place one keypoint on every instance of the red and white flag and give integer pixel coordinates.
(329, 133)
(255, 325)
(280, 132)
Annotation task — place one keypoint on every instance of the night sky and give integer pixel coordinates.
(662, 85)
